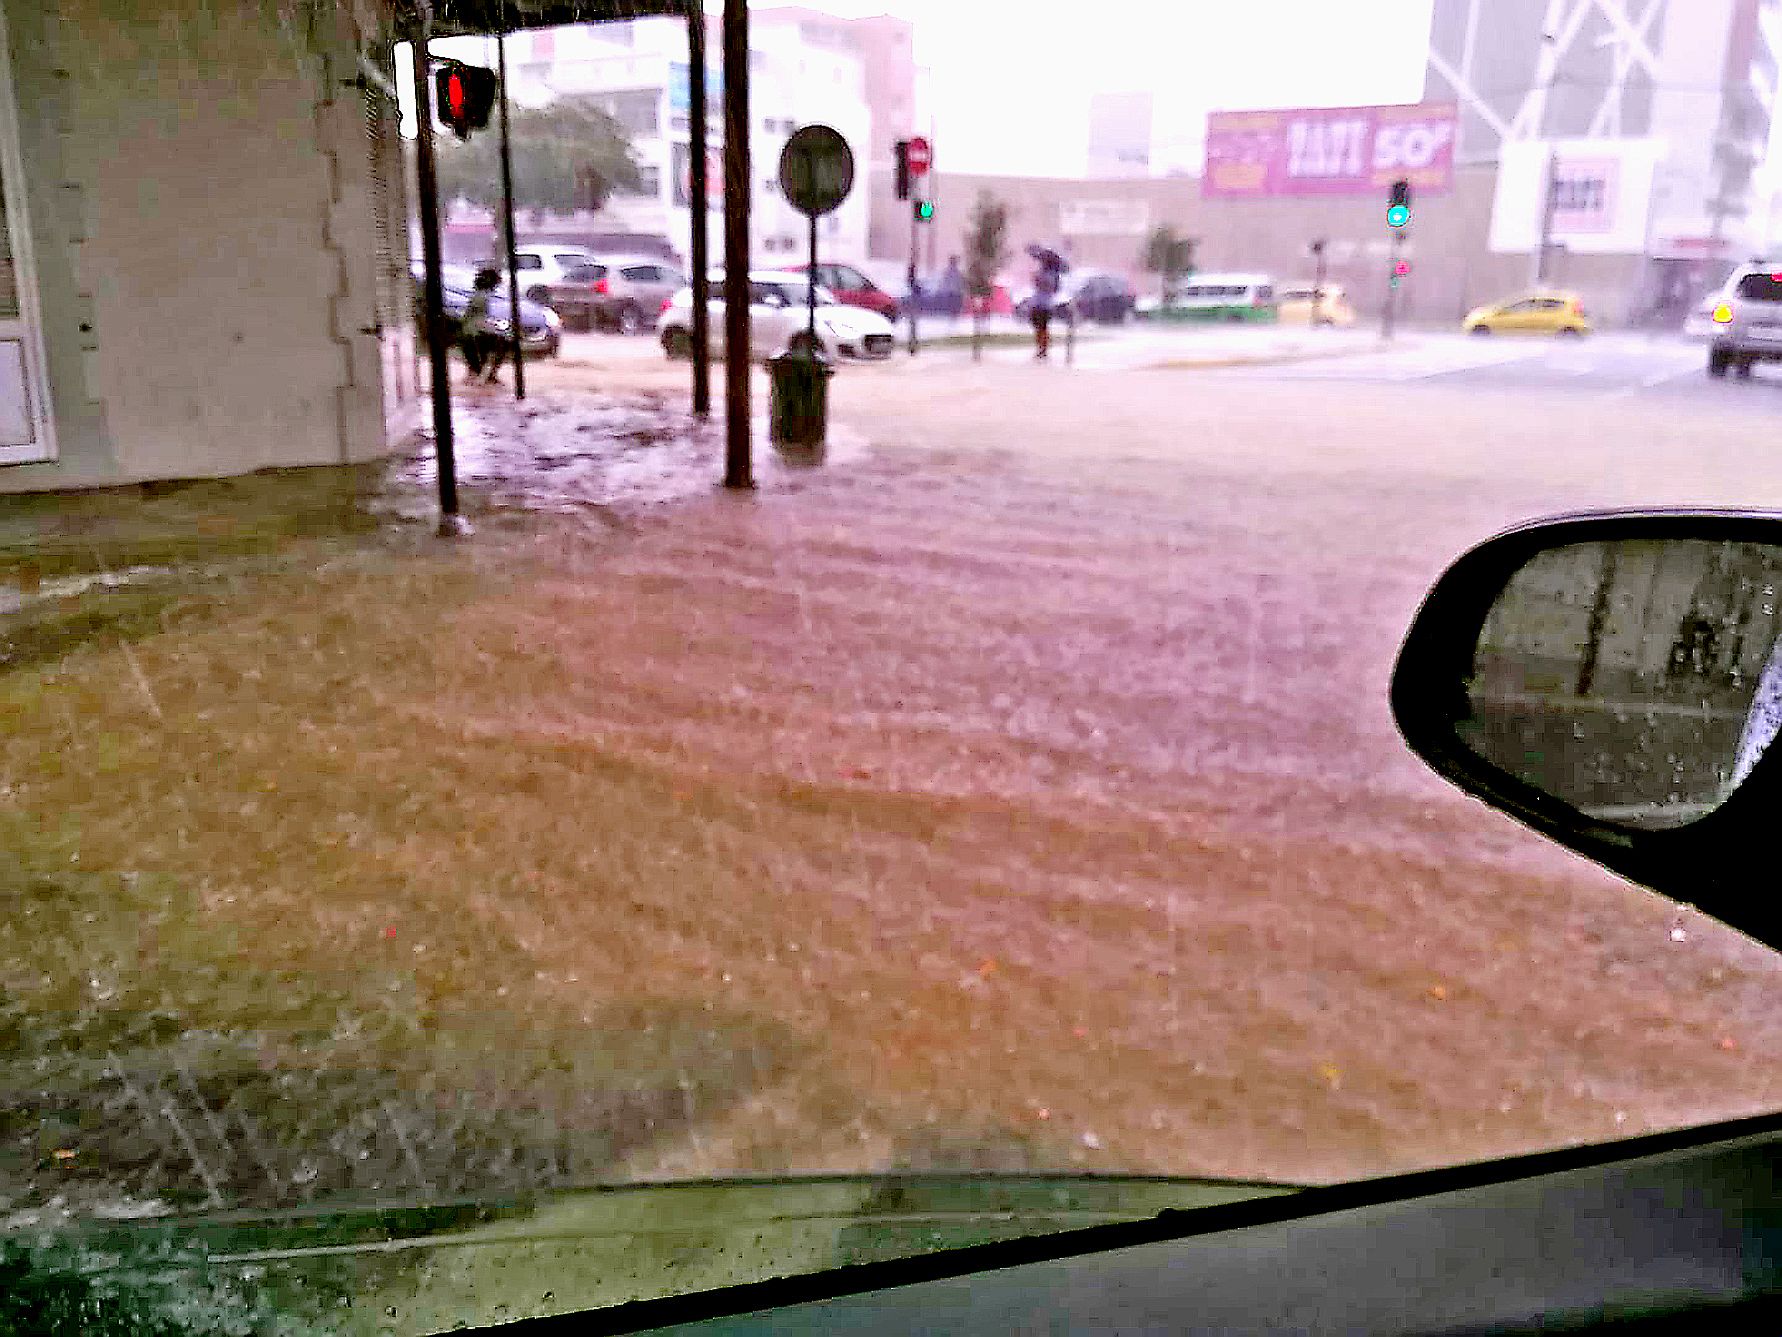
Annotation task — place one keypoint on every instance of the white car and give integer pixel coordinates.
(778, 309)
(542, 264)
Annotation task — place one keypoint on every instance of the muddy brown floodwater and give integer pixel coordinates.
(1017, 791)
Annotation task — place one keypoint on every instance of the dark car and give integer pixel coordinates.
(1104, 299)
(541, 332)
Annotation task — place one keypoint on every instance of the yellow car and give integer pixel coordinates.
(1294, 306)
(1558, 313)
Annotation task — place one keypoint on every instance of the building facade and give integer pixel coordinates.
(1120, 134)
(203, 267)
(638, 72)
(1698, 77)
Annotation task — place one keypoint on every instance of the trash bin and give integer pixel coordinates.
(798, 404)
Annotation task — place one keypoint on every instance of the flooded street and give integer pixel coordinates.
(1017, 791)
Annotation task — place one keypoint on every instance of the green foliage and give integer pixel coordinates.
(567, 156)
(986, 244)
(1168, 254)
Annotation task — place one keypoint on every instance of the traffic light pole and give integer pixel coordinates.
(507, 225)
(433, 285)
(915, 297)
(1389, 317)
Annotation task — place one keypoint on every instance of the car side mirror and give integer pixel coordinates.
(1614, 681)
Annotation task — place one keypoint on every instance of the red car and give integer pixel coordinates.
(852, 288)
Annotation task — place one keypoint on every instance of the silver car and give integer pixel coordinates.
(1743, 323)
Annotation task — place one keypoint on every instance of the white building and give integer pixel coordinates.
(638, 71)
(1696, 80)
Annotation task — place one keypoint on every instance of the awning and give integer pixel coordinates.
(458, 18)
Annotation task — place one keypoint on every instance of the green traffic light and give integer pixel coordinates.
(925, 210)
(1398, 215)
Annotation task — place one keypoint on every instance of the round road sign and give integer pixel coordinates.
(921, 156)
(816, 170)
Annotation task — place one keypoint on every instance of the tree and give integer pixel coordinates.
(1169, 255)
(986, 252)
(567, 156)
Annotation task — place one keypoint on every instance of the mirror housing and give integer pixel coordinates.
(1724, 860)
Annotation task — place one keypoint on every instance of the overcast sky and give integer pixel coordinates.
(1041, 59)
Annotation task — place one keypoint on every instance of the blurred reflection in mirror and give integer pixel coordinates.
(1637, 681)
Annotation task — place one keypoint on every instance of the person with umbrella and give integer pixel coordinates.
(1048, 273)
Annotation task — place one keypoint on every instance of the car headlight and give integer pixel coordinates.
(552, 320)
(500, 326)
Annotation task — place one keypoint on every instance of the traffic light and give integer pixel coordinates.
(1402, 268)
(1398, 208)
(903, 169)
(466, 96)
(924, 211)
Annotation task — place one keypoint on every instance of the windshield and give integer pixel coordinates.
(517, 793)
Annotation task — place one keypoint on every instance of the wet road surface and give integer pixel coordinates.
(1018, 791)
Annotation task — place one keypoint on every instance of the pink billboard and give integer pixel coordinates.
(1329, 151)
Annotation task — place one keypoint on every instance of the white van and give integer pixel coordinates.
(1216, 297)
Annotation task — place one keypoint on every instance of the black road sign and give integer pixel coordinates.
(816, 170)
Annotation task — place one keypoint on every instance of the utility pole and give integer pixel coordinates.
(507, 219)
(1389, 316)
(1317, 249)
(915, 297)
(698, 203)
(433, 285)
(739, 366)
(1550, 195)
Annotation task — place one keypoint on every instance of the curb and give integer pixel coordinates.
(1264, 359)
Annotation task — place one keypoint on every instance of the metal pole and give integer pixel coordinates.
(1549, 207)
(699, 205)
(811, 287)
(1323, 272)
(433, 285)
(738, 363)
(507, 215)
(915, 299)
(1389, 319)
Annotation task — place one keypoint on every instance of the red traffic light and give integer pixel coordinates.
(466, 96)
(1402, 268)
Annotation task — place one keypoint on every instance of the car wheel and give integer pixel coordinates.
(537, 294)
(1718, 361)
(1567, 332)
(677, 343)
(630, 320)
(1746, 366)
(1480, 330)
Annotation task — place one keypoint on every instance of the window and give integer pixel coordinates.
(584, 274)
(570, 258)
(642, 273)
(526, 261)
(844, 276)
(1760, 288)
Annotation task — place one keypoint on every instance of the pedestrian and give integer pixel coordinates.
(952, 287)
(1047, 274)
(485, 348)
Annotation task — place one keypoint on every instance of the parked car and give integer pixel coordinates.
(541, 330)
(1232, 297)
(1087, 296)
(1744, 322)
(1548, 312)
(624, 293)
(778, 310)
(853, 288)
(543, 264)
(1293, 306)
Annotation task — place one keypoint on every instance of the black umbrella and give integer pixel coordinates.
(1049, 258)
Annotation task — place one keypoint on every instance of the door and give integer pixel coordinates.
(1516, 317)
(769, 322)
(26, 431)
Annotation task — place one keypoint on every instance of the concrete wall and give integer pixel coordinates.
(199, 193)
(1452, 268)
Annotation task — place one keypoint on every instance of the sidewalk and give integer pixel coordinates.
(1172, 347)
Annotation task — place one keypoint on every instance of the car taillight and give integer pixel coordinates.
(666, 303)
(1723, 314)
(600, 287)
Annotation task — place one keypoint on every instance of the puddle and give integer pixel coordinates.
(13, 598)
(568, 454)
